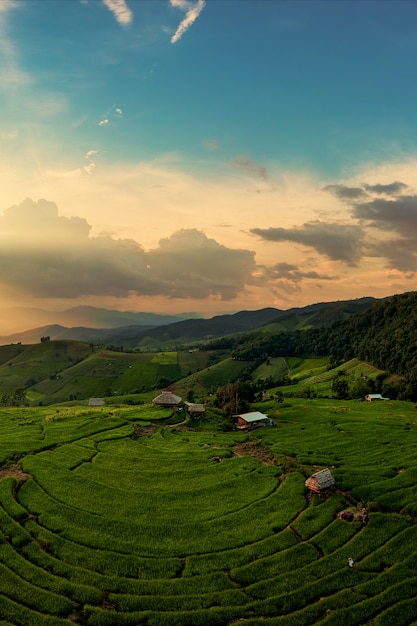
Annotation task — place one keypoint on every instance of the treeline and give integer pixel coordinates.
(385, 335)
(16, 398)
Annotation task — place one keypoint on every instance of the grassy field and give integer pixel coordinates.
(110, 516)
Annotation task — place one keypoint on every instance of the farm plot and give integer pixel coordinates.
(100, 528)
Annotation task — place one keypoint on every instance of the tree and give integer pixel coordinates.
(190, 395)
(45, 339)
(340, 387)
(235, 398)
(18, 397)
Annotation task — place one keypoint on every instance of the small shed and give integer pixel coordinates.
(195, 409)
(96, 402)
(320, 482)
(371, 397)
(254, 419)
(167, 399)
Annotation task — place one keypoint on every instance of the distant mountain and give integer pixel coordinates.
(77, 333)
(187, 331)
(159, 335)
(104, 318)
(85, 316)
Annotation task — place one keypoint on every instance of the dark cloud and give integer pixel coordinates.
(398, 254)
(245, 163)
(365, 191)
(346, 193)
(286, 271)
(339, 242)
(398, 215)
(394, 216)
(51, 256)
(392, 189)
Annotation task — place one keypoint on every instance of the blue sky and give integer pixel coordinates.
(206, 155)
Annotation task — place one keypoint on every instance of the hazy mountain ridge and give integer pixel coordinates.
(27, 318)
(165, 332)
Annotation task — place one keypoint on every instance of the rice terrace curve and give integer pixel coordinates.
(115, 516)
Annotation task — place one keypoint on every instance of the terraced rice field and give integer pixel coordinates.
(186, 527)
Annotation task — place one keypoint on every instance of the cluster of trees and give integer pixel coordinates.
(16, 398)
(235, 397)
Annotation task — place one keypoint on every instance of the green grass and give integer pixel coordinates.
(108, 528)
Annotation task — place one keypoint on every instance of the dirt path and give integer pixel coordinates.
(14, 471)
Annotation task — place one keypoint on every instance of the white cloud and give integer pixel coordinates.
(192, 13)
(120, 10)
(114, 113)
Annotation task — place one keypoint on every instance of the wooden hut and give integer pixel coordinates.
(96, 402)
(320, 482)
(167, 399)
(195, 409)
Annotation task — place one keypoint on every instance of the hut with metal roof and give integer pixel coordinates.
(254, 419)
(321, 482)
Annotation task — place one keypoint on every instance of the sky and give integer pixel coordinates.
(206, 156)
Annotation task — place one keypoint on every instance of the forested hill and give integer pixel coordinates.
(384, 335)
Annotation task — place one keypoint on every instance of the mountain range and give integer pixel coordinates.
(130, 330)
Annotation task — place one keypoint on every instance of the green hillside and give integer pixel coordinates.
(371, 351)
(60, 371)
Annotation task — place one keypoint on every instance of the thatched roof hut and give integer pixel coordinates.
(321, 481)
(195, 409)
(96, 402)
(167, 399)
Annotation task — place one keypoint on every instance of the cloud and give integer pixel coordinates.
(391, 189)
(339, 242)
(120, 10)
(357, 194)
(192, 265)
(292, 273)
(397, 219)
(50, 256)
(211, 144)
(114, 112)
(192, 13)
(245, 163)
(343, 192)
(398, 254)
(384, 210)
(287, 278)
(393, 216)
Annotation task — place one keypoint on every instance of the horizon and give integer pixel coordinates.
(46, 318)
(214, 157)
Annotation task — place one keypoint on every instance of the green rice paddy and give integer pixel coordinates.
(183, 525)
